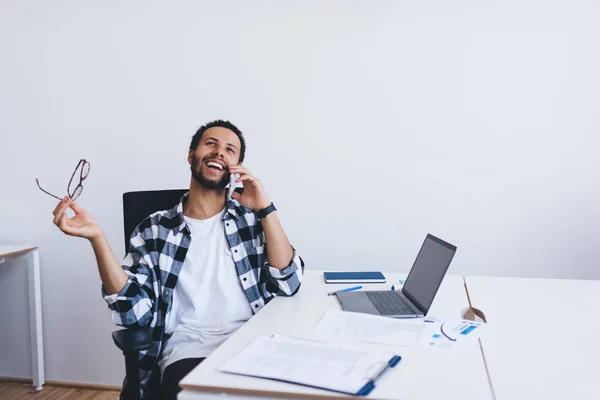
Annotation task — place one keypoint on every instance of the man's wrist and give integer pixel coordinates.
(97, 239)
(263, 212)
(263, 206)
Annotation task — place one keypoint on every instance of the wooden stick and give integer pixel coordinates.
(467, 291)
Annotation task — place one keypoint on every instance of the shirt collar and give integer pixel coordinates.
(233, 212)
(178, 210)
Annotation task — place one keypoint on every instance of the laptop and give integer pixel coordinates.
(418, 292)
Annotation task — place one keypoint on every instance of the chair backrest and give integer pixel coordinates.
(138, 205)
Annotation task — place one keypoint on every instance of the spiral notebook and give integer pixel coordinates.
(340, 369)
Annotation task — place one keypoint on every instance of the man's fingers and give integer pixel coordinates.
(75, 207)
(61, 204)
(241, 171)
(238, 170)
(57, 207)
(57, 216)
(61, 210)
(246, 178)
(63, 225)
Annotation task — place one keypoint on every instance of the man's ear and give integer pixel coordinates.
(190, 154)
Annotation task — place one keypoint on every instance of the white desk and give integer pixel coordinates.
(422, 374)
(35, 305)
(531, 350)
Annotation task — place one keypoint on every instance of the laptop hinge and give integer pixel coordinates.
(415, 304)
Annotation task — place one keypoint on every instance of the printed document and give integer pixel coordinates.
(327, 366)
(346, 327)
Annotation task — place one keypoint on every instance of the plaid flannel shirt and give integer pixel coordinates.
(157, 250)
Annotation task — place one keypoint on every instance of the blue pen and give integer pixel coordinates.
(344, 290)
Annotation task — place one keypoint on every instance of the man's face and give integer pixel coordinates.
(219, 148)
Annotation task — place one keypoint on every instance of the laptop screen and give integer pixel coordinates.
(428, 271)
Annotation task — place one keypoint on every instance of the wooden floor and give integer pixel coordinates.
(18, 391)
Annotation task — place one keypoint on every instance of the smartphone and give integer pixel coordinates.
(232, 183)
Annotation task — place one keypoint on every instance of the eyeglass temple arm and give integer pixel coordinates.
(45, 191)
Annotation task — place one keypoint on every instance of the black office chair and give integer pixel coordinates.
(136, 207)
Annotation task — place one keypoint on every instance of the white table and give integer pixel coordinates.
(422, 374)
(35, 305)
(542, 340)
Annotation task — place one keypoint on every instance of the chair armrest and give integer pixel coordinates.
(129, 340)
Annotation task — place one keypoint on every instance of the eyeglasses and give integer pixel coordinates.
(84, 169)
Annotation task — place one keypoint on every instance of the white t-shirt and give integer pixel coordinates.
(209, 304)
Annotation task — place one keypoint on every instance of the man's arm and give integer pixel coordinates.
(129, 300)
(132, 306)
(284, 266)
(83, 224)
(279, 250)
(112, 274)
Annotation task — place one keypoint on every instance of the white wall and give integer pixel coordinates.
(370, 123)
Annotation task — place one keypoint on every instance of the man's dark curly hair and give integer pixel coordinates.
(223, 124)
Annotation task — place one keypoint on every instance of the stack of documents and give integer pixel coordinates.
(331, 362)
(348, 327)
(338, 368)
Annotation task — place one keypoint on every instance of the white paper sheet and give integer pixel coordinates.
(452, 333)
(347, 327)
(310, 363)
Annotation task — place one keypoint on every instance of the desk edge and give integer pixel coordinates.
(256, 392)
(19, 252)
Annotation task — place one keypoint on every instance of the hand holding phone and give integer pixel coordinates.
(233, 183)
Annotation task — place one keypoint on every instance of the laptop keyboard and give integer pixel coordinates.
(389, 303)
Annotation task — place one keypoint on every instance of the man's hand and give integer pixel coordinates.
(279, 250)
(82, 224)
(254, 196)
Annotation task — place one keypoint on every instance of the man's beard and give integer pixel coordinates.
(209, 184)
